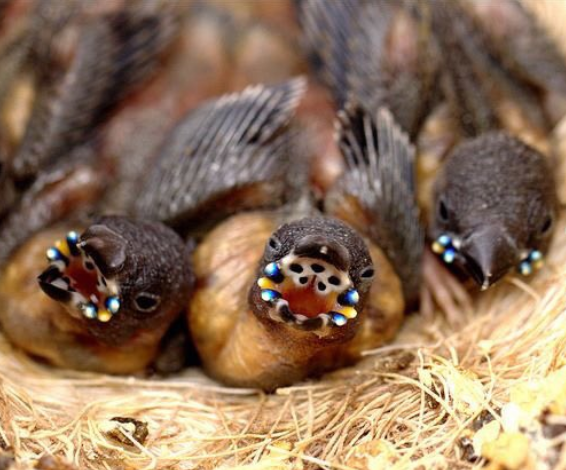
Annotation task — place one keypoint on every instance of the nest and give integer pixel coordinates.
(491, 393)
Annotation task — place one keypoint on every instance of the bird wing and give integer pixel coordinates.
(230, 154)
(376, 194)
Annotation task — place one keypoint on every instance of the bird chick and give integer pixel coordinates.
(495, 198)
(493, 80)
(495, 208)
(284, 291)
(112, 292)
(105, 298)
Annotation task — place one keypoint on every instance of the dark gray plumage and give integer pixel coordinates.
(327, 30)
(465, 88)
(487, 60)
(380, 175)
(228, 155)
(374, 53)
(497, 196)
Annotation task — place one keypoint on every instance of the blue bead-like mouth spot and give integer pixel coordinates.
(269, 295)
(273, 272)
(339, 319)
(444, 247)
(534, 260)
(349, 298)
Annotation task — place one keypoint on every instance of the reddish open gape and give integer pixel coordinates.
(305, 300)
(305, 290)
(83, 280)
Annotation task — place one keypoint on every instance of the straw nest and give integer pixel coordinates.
(434, 398)
(492, 393)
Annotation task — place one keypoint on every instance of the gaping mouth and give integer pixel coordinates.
(308, 292)
(73, 277)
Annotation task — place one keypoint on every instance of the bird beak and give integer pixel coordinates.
(50, 282)
(489, 254)
(319, 247)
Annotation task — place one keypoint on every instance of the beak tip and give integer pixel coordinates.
(489, 253)
(46, 283)
(484, 278)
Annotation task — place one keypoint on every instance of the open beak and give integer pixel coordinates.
(51, 282)
(73, 278)
(310, 288)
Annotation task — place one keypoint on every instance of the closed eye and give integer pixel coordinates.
(442, 211)
(546, 226)
(274, 243)
(367, 273)
(146, 302)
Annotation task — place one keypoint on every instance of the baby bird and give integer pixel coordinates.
(60, 178)
(284, 291)
(495, 208)
(112, 293)
(494, 201)
(495, 198)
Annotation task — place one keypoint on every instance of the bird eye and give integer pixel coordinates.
(546, 226)
(442, 211)
(146, 302)
(367, 273)
(274, 244)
